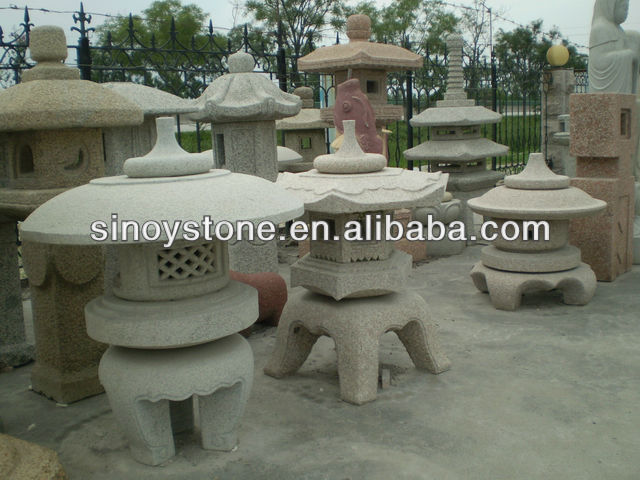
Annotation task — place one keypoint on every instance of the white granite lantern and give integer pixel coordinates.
(518, 264)
(456, 144)
(126, 142)
(174, 313)
(53, 125)
(243, 107)
(354, 289)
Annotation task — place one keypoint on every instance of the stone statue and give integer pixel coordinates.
(352, 104)
(613, 53)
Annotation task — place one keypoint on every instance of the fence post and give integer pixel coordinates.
(494, 103)
(281, 61)
(409, 96)
(83, 50)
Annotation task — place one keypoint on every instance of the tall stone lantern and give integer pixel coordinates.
(517, 262)
(54, 124)
(174, 314)
(354, 289)
(456, 144)
(367, 61)
(242, 107)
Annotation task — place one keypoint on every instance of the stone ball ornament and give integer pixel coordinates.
(173, 317)
(558, 55)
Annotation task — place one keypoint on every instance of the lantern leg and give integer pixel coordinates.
(358, 365)
(220, 415)
(420, 340)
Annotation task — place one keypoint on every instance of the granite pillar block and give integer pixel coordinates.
(63, 280)
(603, 139)
(14, 350)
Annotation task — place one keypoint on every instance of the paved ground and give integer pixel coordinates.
(548, 392)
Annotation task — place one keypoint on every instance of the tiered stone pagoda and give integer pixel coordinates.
(173, 318)
(354, 290)
(242, 107)
(53, 124)
(456, 144)
(511, 267)
(367, 61)
(304, 133)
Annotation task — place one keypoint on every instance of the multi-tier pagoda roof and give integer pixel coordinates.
(455, 121)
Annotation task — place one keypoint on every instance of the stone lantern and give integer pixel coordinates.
(305, 132)
(354, 289)
(518, 264)
(174, 313)
(126, 142)
(367, 61)
(54, 124)
(456, 144)
(243, 107)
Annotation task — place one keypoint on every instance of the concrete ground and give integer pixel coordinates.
(548, 392)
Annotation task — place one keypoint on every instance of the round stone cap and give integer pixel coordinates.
(167, 158)
(359, 28)
(350, 158)
(537, 176)
(240, 62)
(48, 44)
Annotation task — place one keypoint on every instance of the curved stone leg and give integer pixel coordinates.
(421, 343)
(220, 415)
(358, 366)
(580, 289)
(479, 280)
(293, 344)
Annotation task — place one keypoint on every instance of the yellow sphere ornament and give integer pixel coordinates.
(558, 55)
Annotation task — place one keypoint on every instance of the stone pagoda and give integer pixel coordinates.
(174, 314)
(242, 107)
(517, 264)
(354, 290)
(456, 144)
(367, 61)
(54, 124)
(126, 142)
(305, 132)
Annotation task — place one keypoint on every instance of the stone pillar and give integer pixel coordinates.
(63, 280)
(14, 350)
(603, 139)
(558, 88)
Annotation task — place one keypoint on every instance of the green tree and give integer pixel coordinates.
(170, 46)
(300, 22)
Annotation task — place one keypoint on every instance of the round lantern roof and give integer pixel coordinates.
(536, 194)
(152, 101)
(163, 197)
(52, 96)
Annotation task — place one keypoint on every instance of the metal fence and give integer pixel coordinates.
(186, 70)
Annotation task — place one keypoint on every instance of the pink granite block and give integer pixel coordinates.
(603, 125)
(606, 239)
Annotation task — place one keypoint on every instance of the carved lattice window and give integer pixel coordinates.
(192, 261)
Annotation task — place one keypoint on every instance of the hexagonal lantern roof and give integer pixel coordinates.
(52, 96)
(536, 193)
(152, 101)
(359, 53)
(352, 181)
(168, 184)
(244, 95)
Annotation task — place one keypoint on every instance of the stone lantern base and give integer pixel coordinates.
(151, 393)
(356, 326)
(578, 285)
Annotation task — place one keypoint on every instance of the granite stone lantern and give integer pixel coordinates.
(126, 142)
(53, 125)
(353, 290)
(304, 133)
(518, 263)
(367, 61)
(174, 314)
(242, 107)
(456, 144)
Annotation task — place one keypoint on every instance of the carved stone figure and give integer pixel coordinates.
(352, 104)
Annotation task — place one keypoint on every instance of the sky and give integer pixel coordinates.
(572, 17)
